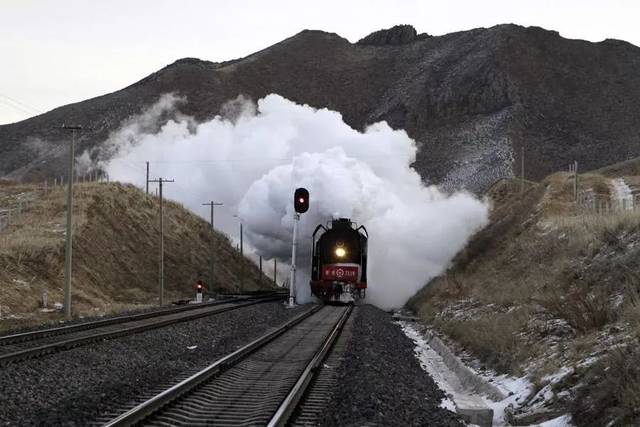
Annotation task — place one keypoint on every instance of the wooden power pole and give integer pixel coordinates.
(213, 249)
(69, 237)
(161, 273)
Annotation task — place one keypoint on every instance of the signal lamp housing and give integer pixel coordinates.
(301, 200)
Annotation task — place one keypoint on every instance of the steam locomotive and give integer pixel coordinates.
(339, 261)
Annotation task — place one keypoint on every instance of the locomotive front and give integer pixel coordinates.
(339, 261)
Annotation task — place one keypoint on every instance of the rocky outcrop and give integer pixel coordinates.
(400, 34)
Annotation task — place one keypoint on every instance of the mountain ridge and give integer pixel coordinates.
(471, 99)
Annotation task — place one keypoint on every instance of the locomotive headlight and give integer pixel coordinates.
(340, 252)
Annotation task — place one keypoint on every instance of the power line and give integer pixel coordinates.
(16, 107)
(22, 104)
(261, 159)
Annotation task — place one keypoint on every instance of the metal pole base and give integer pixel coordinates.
(292, 302)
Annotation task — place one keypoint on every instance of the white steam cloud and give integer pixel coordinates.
(253, 157)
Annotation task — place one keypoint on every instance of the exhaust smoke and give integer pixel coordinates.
(253, 156)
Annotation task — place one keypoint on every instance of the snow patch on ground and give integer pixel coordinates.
(517, 389)
(621, 194)
(433, 364)
(563, 421)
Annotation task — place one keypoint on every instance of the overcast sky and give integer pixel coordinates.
(57, 52)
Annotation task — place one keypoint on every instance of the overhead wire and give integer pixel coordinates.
(262, 159)
(15, 107)
(22, 105)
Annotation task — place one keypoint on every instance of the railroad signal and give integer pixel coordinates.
(301, 200)
(199, 291)
(301, 205)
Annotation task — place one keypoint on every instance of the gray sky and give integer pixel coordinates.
(57, 52)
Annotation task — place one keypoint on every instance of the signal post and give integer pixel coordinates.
(301, 205)
(199, 291)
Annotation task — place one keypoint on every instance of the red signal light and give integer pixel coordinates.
(301, 200)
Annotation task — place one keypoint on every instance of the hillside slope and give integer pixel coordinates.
(550, 291)
(472, 99)
(115, 251)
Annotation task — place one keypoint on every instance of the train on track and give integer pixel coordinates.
(339, 261)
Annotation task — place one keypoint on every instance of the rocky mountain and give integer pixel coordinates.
(473, 99)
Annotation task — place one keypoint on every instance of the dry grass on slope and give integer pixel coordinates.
(546, 285)
(116, 241)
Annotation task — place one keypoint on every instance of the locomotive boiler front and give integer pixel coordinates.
(339, 261)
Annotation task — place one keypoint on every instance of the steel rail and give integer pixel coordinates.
(151, 406)
(290, 402)
(75, 342)
(61, 330)
(44, 333)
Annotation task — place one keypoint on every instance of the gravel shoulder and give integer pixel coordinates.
(75, 387)
(381, 381)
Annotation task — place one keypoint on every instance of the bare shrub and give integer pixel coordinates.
(611, 391)
(631, 307)
(584, 307)
(494, 338)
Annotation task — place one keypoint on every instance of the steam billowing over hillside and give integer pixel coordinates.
(253, 157)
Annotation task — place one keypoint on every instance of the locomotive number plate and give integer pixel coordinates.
(336, 272)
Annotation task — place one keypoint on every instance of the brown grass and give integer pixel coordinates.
(611, 390)
(598, 225)
(585, 307)
(116, 240)
(540, 253)
(494, 339)
(574, 277)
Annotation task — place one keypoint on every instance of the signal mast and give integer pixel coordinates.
(301, 205)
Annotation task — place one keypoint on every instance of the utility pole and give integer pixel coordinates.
(241, 261)
(69, 236)
(522, 169)
(161, 278)
(275, 269)
(575, 180)
(260, 277)
(241, 256)
(147, 177)
(213, 250)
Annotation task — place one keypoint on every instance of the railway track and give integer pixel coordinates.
(38, 343)
(326, 380)
(260, 384)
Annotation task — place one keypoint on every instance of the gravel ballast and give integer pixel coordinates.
(381, 381)
(75, 387)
